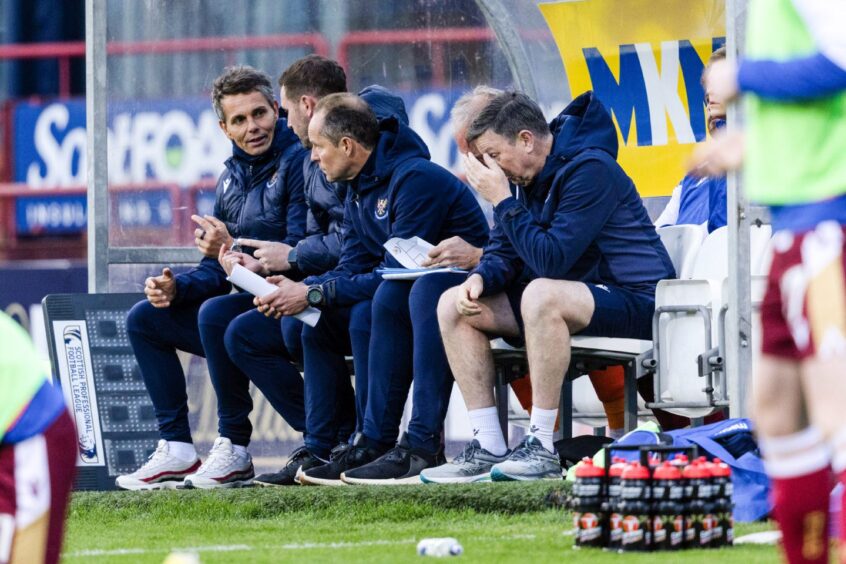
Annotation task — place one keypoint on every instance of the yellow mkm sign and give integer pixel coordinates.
(644, 59)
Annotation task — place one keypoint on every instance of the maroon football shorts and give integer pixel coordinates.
(804, 309)
(36, 476)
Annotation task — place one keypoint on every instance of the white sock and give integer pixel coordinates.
(241, 451)
(182, 451)
(542, 425)
(616, 433)
(487, 431)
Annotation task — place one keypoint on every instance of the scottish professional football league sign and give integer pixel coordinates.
(77, 378)
(644, 59)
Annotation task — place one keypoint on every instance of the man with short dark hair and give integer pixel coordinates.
(395, 191)
(573, 252)
(259, 195)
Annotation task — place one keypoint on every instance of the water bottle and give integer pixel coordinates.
(614, 533)
(667, 508)
(438, 547)
(722, 495)
(588, 498)
(697, 480)
(635, 508)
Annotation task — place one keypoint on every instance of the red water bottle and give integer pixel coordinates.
(588, 501)
(722, 491)
(635, 508)
(612, 510)
(667, 508)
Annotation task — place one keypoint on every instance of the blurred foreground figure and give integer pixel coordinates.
(37, 453)
(795, 76)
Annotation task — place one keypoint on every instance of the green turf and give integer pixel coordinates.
(494, 523)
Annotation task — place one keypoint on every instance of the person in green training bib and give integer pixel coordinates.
(38, 450)
(794, 78)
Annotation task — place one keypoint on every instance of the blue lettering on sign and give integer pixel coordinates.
(50, 215)
(649, 95)
(623, 98)
(145, 209)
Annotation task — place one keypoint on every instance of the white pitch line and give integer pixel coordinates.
(246, 547)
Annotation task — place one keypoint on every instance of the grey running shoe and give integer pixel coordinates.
(529, 461)
(472, 465)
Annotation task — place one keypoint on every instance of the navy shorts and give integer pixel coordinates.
(617, 313)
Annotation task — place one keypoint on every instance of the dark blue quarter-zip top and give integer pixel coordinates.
(320, 250)
(398, 193)
(580, 219)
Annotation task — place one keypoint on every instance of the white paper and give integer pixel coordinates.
(258, 286)
(409, 252)
(415, 273)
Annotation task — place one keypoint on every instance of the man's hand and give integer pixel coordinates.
(228, 259)
(721, 81)
(468, 295)
(210, 234)
(486, 178)
(273, 256)
(718, 155)
(160, 290)
(289, 299)
(454, 251)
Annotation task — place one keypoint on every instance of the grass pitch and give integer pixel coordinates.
(504, 522)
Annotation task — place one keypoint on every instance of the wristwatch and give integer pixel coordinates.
(292, 257)
(314, 295)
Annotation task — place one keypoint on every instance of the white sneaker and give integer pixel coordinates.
(161, 471)
(224, 468)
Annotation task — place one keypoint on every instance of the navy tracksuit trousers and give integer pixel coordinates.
(209, 329)
(266, 358)
(328, 391)
(406, 345)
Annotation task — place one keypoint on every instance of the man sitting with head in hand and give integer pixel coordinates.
(395, 191)
(572, 252)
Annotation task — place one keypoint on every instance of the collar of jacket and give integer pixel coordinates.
(397, 143)
(584, 124)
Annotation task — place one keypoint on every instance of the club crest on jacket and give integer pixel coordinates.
(381, 208)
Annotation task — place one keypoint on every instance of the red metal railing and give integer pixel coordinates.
(186, 199)
(435, 37)
(64, 52)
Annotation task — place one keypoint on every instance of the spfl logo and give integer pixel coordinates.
(80, 394)
(381, 208)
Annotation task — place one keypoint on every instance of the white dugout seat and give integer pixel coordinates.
(690, 379)
(701, 262)
(682, 243)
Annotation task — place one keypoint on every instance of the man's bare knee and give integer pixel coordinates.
(540, 300)
(557, 299)
(448, 316)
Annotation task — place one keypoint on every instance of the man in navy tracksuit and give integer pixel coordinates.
(266, 355)
(395, 191)
(259, 195)
(573, 252)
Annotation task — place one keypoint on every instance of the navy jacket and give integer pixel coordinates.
(257, 197)
(581, 218)
(398, 193)
(320, 250)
